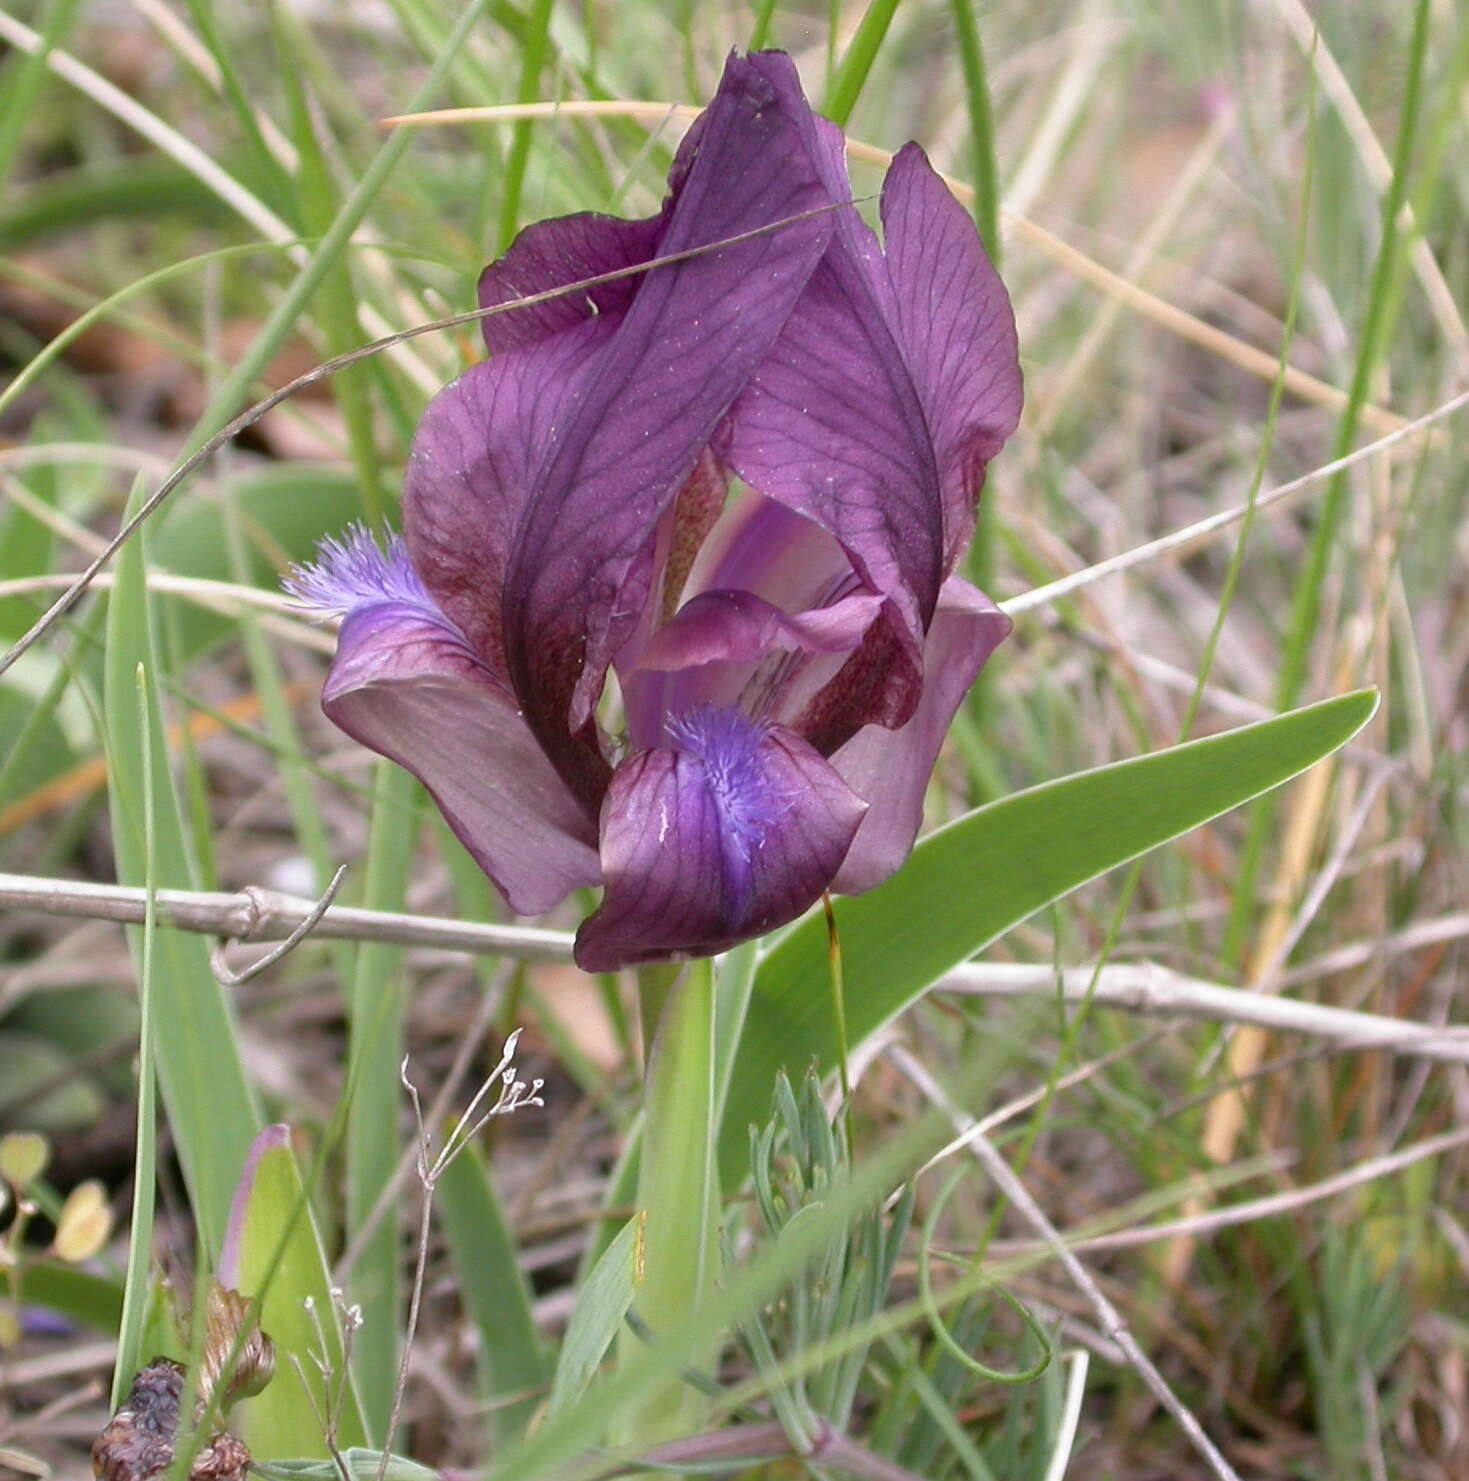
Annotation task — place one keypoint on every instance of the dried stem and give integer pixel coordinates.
(1140, 987)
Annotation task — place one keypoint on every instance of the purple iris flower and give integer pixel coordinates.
(738, 483)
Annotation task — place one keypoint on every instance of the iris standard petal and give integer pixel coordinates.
(581, 569)
(891, 768)
(734, 830)
(406, 684)
(472, 472)
(551, 254)
(952, 315)
(832, 426)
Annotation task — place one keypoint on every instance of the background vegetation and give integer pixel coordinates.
(199, 201)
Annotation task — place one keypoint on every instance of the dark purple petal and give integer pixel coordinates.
(954, 321)
(734, 831)
(472, 472)
(553, 253)
(832, 426)
(581, 570)
(891, 768)
(716, 649)
(406, 684)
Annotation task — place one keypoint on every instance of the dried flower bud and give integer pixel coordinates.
(138, 1443)
(254, 1363)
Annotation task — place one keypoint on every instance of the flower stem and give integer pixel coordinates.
(678, 1196)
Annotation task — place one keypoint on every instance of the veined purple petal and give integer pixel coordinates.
(730, 648)
(581, 569)
(733, 831)
(891, 768)
(551, 254)
(832, 426)
(472, 471)
(954, 321)
(739, 627)
(406, 683)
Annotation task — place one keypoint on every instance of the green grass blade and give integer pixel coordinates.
(986, 872)
(272, 334)
(23, 79)
(273, 1252)
(850, 76)
(1305, 613)
(211, 1110)
(374, 1054)
(533, 49)
(495, 1292)
(137, 1291)
(983, 163)
(278, 190)
(677, 1185)
(602, 1303)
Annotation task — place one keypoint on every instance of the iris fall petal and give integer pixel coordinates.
(731, 831)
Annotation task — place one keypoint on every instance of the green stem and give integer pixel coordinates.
(678, 1195)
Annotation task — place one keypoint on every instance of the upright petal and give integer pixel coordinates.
(551, 254)
(832, 424)
(891, 768)
(953, 318)
(472, 473)
(581, 569)
(734, 831)
(406, 684)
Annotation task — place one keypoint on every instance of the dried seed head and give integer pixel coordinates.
(138, 1441)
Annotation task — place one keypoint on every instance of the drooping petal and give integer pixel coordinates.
(581, 568)
(953, 318)
(733, 831)
(891, 768)
(406, 684)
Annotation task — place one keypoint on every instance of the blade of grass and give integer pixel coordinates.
(513, 1362)
(278, 186)
(23, 78)
(211, 1110)
(137, 1289)
(375, 1051)
(983, 161)
(1306, 603)
(850, 76)
(316, 196)
(533, 48)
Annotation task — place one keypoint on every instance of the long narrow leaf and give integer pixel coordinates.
(986, 872)
(211, 1111)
